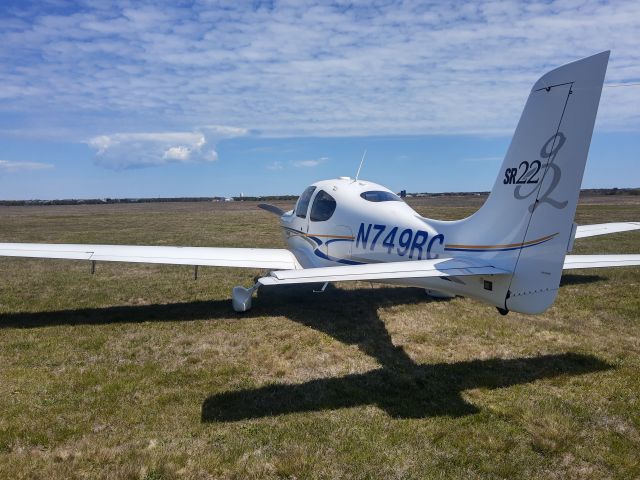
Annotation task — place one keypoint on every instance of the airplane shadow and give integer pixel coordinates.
(579, 279)
(294, 301)
(403, 388)
(419, 392)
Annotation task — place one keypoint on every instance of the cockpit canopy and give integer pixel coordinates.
(316, 204)
(323, 205)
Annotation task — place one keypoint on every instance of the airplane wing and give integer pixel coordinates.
(605, 228)
(600, 261)
(268, 258)
(441, 267)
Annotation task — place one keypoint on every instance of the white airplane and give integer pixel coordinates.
(509, 254)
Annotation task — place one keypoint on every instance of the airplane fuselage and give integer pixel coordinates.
(370, 224)
(359, 230)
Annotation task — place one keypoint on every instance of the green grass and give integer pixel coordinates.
(141, 372)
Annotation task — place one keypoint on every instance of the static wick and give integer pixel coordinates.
(360, 166)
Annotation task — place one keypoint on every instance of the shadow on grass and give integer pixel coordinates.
(401, 387)
(296, 300)
(579, 279)
(350, 316)
(417, 392)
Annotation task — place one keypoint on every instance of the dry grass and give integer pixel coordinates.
(142, 372)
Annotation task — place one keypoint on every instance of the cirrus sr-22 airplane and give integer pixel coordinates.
(509, 254)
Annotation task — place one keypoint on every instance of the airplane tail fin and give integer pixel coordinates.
(526, 224)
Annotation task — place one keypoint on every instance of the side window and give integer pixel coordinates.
(303, 202)
(380, 196)
(323, 207)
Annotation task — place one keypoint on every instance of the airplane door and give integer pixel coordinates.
(339, 246)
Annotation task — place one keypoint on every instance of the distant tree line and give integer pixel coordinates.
(102, 201)
(266, 198)
(583, 192)
(612, 191)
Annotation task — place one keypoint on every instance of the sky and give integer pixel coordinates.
(203, 98)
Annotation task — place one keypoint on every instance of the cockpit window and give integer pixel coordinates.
(323, 207)
(380, 196)
(303, 202)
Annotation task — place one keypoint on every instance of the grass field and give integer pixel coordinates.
(143, 372)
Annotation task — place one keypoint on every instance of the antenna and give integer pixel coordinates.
(361, 162)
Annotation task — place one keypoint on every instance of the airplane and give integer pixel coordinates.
(509, 254)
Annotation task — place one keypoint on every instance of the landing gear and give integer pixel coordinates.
(503, 311)
(241, 297)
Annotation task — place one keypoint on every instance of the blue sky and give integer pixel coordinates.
(136, 99)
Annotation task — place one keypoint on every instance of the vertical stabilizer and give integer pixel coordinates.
(526, 224)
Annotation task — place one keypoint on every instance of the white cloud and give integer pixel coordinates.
(309, 163)
(102, 143)
(307, 68)
(275, 166)
(11, 167)
(224, 131)
(180, 153)
(150, 149)
(484, 159)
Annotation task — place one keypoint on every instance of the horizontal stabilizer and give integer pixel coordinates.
(442, 267)
(600, 261)
(605, 228)
(268, 258)
(271, 209)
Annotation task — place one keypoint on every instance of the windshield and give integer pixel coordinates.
(303, 202)
(380, 196)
